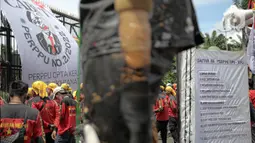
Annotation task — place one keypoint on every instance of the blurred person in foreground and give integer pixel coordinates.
(172, 112)
(161, 110)
(49, 110)
(66, 128)
(18, 122)
(123, 47)
(50, 88)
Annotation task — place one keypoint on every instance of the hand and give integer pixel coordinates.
(54, 134)
(161, 108)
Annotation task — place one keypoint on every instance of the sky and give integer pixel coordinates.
(209, 12)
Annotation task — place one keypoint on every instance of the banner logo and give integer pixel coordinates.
(48, 40)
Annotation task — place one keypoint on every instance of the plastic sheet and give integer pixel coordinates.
(214, 104)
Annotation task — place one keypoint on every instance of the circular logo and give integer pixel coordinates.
(47, 37)
(234, 21)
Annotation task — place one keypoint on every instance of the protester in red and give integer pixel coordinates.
(58, 94)
(50, 88)
(32, 94)
(18, 122)
(49, 110)
(66, 128)
(161, 110)
(173, 117)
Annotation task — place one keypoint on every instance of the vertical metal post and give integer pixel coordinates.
(178, 67)
(9, 56)
(64, 21)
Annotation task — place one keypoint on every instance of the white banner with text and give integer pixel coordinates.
(48, 51)
(222, 107)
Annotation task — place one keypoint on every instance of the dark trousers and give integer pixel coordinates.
(49, 138)
(67, 137)
(162, 128)
(172, 124)
(253, 134)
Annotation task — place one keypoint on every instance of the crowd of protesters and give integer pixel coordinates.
(38, 114)
(47, 113)
(165, 110)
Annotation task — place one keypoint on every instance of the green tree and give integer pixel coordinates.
(214, 39)
(171, 75)
(221, 41)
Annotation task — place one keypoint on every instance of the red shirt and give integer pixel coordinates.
(67, 116)
(172, 109)
(252, 97)
(162, 115)
(50, 113)
(12, 119)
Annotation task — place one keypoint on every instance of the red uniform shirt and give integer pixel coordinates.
(172, 112)
(12, 119)
(162, 102)
(67, 116)
(252, 97)
(49, 111)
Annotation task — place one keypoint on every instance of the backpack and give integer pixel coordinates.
(19, 136)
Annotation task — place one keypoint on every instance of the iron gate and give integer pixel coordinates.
(10, 63)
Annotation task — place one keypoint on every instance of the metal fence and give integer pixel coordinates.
(10, 63)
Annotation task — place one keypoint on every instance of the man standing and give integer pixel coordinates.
(66, 128)
(18, 122)
(172, 112)
(161, 110)
(48, 109)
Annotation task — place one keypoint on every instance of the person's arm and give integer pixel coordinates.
(174, 106)
(157, 107)
(62, 110)
(36, 106)
(38, 132)
(57, 114)
(135, 31)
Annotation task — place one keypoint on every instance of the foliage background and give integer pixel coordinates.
(210, 39)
